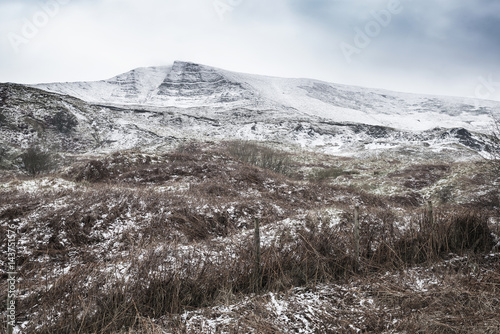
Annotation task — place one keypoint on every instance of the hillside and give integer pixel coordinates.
(144, 220)
(138, 242)
(192, 85)
(150, 108)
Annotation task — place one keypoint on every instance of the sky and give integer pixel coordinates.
(442, 47)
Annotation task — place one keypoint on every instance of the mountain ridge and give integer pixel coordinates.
(156, 108)
(187, 85)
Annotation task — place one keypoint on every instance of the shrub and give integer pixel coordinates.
(36, 160)
(330, 173)
(469, 231)
(93, 171)
(260, 156)
(445, 194)
(188, 148)
(244, 151)
(457, 232)
(64, 121)
(417, 177)
(410, 199)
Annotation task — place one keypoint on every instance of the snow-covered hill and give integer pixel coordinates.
(187, 85)
(148, 108)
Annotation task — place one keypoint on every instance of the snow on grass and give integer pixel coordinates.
(299, 310)
(40, 184)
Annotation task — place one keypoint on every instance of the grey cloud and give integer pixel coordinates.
(439, 46)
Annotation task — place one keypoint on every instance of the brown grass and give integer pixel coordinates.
(421, 176)
(117, 253)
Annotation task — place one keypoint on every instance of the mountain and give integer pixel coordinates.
(151, 107)
(187, 85)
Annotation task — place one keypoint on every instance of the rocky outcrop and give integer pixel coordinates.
(201, 83)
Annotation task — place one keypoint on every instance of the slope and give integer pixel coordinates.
(187, 85)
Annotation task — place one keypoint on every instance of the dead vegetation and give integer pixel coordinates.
(155, 244)
(420, 176)
(260, 155)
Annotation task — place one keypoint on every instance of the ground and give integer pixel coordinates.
(135, 242)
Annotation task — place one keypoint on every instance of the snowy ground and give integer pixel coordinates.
(164, 244)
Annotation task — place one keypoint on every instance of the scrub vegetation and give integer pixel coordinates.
(135, 242)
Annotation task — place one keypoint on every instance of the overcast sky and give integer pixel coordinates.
(447, 47)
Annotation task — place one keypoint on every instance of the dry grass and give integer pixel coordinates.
(260, 155)
(420, 176)
(142, 239)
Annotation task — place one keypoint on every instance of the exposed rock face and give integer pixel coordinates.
(205, 84)
(180, 85)
(464, 137)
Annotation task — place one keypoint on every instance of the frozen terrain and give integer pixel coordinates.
(148, 108)
(188, 85)
(144, 223)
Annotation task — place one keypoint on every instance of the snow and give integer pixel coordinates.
(150, 107)
(298, 310)
(135, 86)
(186, 85)
(294, 109)
(39, 184)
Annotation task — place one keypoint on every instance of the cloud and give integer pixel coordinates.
(438, 46)
(428, 47)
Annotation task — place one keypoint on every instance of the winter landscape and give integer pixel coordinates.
(130, 205)
(249, 167)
